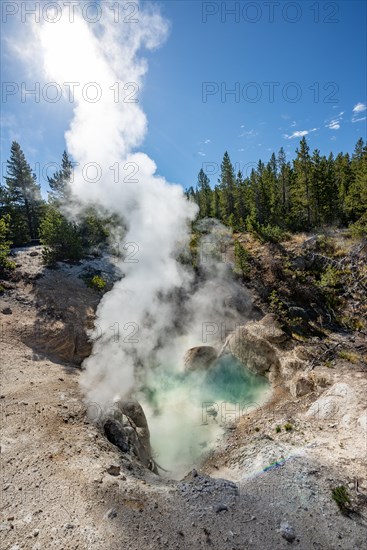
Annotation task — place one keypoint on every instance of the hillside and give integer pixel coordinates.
(58, 487)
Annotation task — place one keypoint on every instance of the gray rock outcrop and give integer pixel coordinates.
(254, 344)
(200, 358)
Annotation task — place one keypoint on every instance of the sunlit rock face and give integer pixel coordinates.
(200, 358)
(253, 344)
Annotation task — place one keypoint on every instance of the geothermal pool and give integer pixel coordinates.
(188, 413)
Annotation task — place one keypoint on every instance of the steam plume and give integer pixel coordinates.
(139, 331)
(106, 134)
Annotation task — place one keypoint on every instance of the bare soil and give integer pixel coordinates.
(59, 492)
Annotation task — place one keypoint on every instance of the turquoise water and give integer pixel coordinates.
(188, 412)
(229, 380)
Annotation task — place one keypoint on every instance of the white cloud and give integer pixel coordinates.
(333, 125)
(299, 133)
(201, 154)
(207, 141)
(359, 108)
(241, 150)
(294, 123)
(333, 138)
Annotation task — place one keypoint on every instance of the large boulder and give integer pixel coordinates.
(126, 427)
(254, 344)
(334, 403)
(200, 358)
(268, 328)
(301, 385)
(63, 340)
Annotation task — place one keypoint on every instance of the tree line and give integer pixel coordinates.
(302, 195)
(25, 216)
(310, 192)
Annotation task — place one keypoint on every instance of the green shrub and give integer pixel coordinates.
(288, 427)
(278, 308)
(324, 245)
(341, 497)
(5, 244)
(278, 429)
(97, 283)
(359, 228)
(241, 259)
(93, 230)
(331, 277)
(266, 233)
(61, 239)
(352, 323)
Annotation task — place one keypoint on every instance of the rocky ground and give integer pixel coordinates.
(268, 485)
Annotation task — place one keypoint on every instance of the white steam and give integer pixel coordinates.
(143, 325)
(103, 136)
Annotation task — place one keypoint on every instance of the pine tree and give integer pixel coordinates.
(23, 192)
(204, 195)
(227, 187)
(313, 191)
(241, 259)
(59, 183)
(284, 184)
(242, 201)
(216, 210)
(301, 196)
(261, 182)
(357, 194)
(343, 179)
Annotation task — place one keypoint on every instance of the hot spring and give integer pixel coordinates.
(188, 412)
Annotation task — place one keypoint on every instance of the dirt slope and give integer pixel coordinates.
(58, 490)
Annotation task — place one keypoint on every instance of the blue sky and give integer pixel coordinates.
(300, 71)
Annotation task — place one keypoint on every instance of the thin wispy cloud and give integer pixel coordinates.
(359, 108)
(333, 125)
(206, 141)
(299, 133)
(201, 154)
(249, 133)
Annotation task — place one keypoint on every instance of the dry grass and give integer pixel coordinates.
(349, 356)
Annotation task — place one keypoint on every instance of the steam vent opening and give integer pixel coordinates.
(189, 412)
